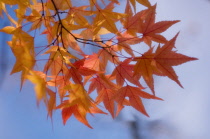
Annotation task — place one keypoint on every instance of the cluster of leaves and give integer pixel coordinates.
(70, 73)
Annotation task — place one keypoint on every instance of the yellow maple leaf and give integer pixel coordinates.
(78, 95)
(38, 79)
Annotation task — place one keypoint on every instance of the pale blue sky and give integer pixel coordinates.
(184, 113)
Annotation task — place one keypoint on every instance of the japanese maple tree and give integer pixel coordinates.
(65, 75)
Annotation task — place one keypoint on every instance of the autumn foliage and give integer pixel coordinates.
(66, 76)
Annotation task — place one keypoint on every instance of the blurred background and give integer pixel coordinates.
(184, 113)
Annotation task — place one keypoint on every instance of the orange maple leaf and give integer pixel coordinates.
(151, 30)
(134, 94)
(144, 22)
(165, 58)
(123, 72)
(51, 103)
(101, 82)
(79, 113)
(144, 68)
(160, 63)
(106, 95)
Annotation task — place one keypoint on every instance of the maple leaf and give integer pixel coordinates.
(144, 22)
(134, 94)
(79, 104)
(144, 67)
(60, 82)
(60, 4)
(78, 95)
(106, 18)
(125, 71)
(92, 62)
(78, 111)
(51, 102)
(22, 46)
(165, 58)
(131, 22)
(14, 2)
(106, 95)
(143, 2)
(160, 63)
(101, 82)
(77, 16)
(38, 79)
(106, 55)
(125, 40)
(78, 70)
(151, 30)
